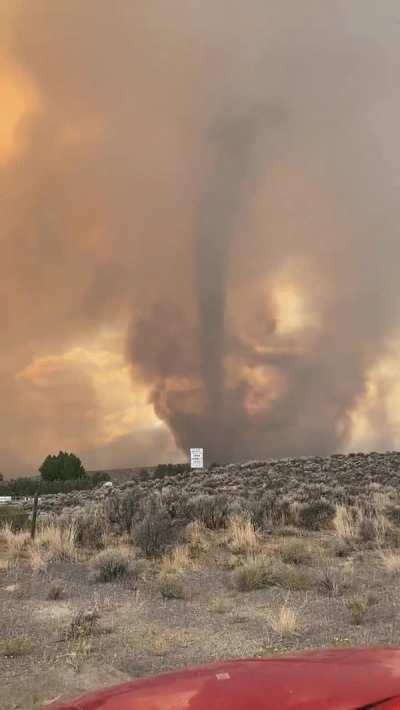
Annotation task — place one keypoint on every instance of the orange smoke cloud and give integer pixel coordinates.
(199, 228)
(18, 100)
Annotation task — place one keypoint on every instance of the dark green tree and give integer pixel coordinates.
(63, 467)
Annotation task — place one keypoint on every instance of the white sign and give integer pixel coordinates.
(196, 458)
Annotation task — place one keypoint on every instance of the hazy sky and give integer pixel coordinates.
(199, 229)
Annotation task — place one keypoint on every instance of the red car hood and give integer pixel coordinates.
(329, 680)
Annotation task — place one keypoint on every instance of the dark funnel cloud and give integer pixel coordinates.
(232, 145)
(216, 182)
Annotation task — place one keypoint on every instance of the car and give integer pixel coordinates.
(338, 679)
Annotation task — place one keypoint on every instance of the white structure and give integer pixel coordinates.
(4, 500)
(196, 458)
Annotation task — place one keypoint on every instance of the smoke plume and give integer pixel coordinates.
(209, 190)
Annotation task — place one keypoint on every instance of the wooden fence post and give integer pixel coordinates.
(34, 513)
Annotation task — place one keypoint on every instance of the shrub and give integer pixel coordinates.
(367, 531)
(333, 581)
(316, 516)
(90, 527)
(15, 646)
(120, 512)
(83, 624)
(220, 606)
(19, 487)
(342, 547)
(329, 581)
(99, 477)
(141, 475)
(256, 573)
(196, 536)
(295, 579)
(127, 509)
(153, 533)
(13, 516)
(392, 536)
(170, 469)
(286, 622)
(212, 510)
(376, 513)
(28, 486)
(287, 531)
(296, 552)
(241, 535)
(110, 565)
(393, 514)
(274, 511)
(171, 586)
(56, 592)
(358, 607)
(374, 527)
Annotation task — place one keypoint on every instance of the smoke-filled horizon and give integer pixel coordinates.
(199, 216)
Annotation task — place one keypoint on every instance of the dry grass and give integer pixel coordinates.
(177, 561)
(197, 539)
(344, 523)
(382, 524)
(164, 642)
(373, 527)
(380, 501)
(241, 536)
(161, 646)
(122, 542)
(355, 523)
(59, 543)
(391, 561)
(286, 621)
(80, 650)
(38, 560)
(16, 542)
(220, 606)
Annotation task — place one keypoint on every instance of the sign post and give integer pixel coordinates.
(197, 458)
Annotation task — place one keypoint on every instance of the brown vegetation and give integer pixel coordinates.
(159, 588)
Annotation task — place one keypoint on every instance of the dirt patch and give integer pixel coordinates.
(96, 634)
